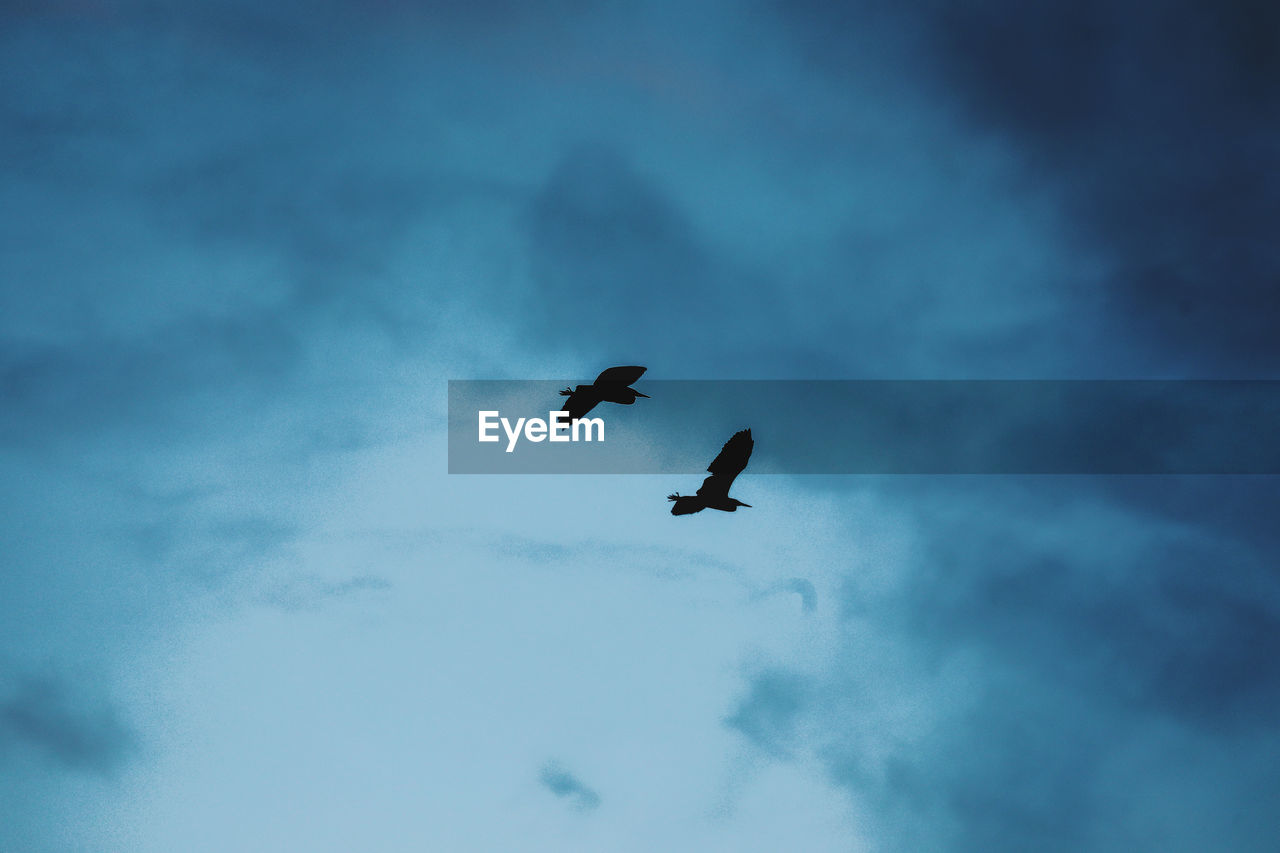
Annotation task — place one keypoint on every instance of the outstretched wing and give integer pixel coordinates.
(734, 455)
(728, 465)
(579, 403)
(715, 486)
(624, 375)
(685, 507)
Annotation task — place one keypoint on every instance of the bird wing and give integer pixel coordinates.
(579, 403)
(726, 467)
(685, 508)
(734, 455)
(624, 375)
(717, 485)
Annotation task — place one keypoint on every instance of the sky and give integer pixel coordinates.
(243, 605)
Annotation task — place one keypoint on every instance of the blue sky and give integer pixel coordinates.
(243, 607)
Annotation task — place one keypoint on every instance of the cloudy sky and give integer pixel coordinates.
(244, 246)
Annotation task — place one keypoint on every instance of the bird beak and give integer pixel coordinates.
(740, 503)
(638, 394)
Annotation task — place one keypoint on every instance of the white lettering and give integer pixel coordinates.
(512, 434)
(558, 427)
(559, 421)
(598, 423)
(486, 425)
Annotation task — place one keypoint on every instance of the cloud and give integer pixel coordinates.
(79, 732)
(310, 591)
(240, 238)
(660, 560)
(565, 785)
(1147, 123)
(1040, 633)
(799, 586)
(768, 714)
(616, 258)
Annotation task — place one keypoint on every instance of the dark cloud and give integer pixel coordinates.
(1014, 772)
(1046, 627)
(1159, 114)
(1237, 509)
(1151, 122)
(768, 714)
(565, 785)
(95, 386)
(621, 270)
(615, 259)
(78, 731)
(198, 380)
(1175, 625)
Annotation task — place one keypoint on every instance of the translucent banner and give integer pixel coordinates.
(875, 427)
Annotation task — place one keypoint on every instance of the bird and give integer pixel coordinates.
(714, 492)
(611, 386)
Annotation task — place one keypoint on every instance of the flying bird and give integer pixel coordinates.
(714, 493)
(611, 386)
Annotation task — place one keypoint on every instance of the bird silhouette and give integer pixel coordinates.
(609, 387)
(714, 492)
